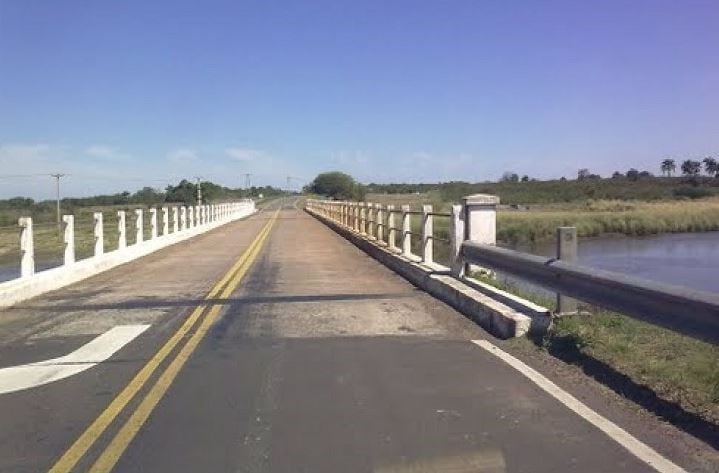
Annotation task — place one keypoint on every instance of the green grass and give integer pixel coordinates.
(677, 368)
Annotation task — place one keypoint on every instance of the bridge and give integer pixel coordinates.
(286, 340)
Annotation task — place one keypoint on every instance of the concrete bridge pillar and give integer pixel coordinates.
(69, 239)
(99, 234)
(480, 219)
(139, 235)
(121, 230)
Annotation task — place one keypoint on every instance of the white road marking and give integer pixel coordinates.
(99, 349)
(621, 436)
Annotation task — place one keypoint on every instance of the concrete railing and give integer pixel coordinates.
(472, 241)
(32, 283)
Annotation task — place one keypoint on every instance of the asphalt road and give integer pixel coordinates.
(311, 357)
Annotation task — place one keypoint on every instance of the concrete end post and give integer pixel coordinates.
(566, 251)
(427, 234)
(480, 221)
(139, 236)
(27, 247)
(153, 223)
(165, 221)
(99, 234)
(456, 237)
(121, 230)
(69, 239)
(406, 231)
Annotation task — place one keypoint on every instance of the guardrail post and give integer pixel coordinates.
(183, 217)
(391, 229)
(99, 234)
(380, 223)
(139, 236)
(406, 231)
(175, 219)
(27, 247)
(69, 239)
(153, 223)
(427, 234)
(190, 218)
(165, 221)
(355, 216)
(456, 237)
(566, 251)
(121, 230)
(363, 219)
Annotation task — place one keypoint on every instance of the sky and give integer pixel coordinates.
(119, 95)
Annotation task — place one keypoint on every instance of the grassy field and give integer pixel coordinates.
(636, 358)
(592, 218)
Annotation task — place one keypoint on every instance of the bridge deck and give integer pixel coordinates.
(321, 361)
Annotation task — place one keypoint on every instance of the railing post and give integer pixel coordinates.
(456, 237)
(363, 218)
(370, 220)
(427, 234)
(406, 231)
(153, 223)
(99, 234)
(121, 230)
(190, 218)
(139, 236)
(69, 239)
(566, 251)
(165, 221)
(27, 247)
(391, 229)
(380, 222)
(355, 216)
(175, 219)
(198, 219)
(183, 218)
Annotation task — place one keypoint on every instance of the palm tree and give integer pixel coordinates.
(668, 167)
(691, 170)
(711, 166)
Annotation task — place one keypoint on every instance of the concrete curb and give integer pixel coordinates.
(21, 289)
(496, 317)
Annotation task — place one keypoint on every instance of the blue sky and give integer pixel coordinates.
(132, 93)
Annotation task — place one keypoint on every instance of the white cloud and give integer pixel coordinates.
(183, 156)
(244, 154)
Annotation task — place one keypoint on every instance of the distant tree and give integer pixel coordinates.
(525, 178)
(510, 177)
(711, 166)
(184, 192)
(668, 167)
(633, 175)
(583, 174)
(337, 185)
(691, 170)
(645, 174)
(147, 196)
(617, 175)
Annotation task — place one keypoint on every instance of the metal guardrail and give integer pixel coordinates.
(684, 310)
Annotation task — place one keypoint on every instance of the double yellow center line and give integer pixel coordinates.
(114, 450)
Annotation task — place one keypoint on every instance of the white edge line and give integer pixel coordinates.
(635, 446)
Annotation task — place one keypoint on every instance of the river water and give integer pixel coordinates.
(682, 259)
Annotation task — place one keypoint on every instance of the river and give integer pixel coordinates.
(682, 259)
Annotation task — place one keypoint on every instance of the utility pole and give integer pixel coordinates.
(199, 191)
(57, 177)
(248, 180)
(288, 184)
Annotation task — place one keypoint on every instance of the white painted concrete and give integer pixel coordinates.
(636, 447)
(17, 378)
(121, 230)
(17, 290)
(99, 232)
(69, 239)
(27, 248)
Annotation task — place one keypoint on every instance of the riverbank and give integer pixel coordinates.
(671, 375)
(596, 218)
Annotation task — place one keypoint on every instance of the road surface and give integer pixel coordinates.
(273, 345)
